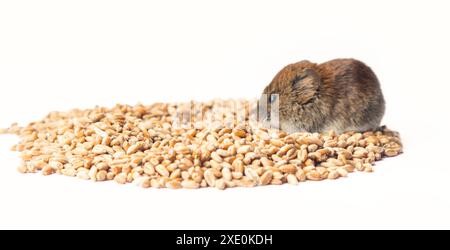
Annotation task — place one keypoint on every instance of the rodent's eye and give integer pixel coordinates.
(273, 98)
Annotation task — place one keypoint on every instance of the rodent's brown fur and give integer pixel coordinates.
(340, 95)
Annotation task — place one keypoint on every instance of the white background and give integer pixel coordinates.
(57, 55)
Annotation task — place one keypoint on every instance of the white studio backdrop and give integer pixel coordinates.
(58, 55)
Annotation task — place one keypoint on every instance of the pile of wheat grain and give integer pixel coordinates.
(140, 144)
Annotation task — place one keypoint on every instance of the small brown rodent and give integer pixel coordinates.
(340, 95)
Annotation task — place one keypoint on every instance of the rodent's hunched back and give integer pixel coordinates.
(340, 95)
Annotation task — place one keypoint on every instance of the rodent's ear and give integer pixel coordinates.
(307, 78)
(306, 84)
